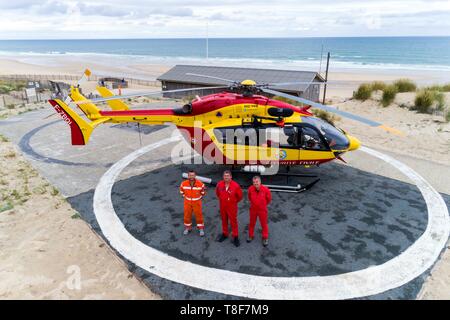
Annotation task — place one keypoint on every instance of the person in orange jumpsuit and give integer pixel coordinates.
(193, 191)
(229, 193)
(259, 196)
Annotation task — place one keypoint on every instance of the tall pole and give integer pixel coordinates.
(207, 40)
(326, 79)
(321, 56)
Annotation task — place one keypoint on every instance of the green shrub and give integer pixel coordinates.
(4, 89)
(378, 85)
(405, 85)
(389, 94)
(447, 116)
(440, 88)
(6, 86)
(6, 206)
(440, 100)
(327, 116)
(364, 92)
(424, 100)
(283, 99)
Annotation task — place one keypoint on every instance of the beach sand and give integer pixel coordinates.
(35, 236)
(46, 250)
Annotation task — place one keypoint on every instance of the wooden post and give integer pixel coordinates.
(326, 79)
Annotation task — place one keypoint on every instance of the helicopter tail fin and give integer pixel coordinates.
(90, 110)
(80, 129)
(116, 105)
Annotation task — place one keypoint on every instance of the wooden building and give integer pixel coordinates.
(178, 78)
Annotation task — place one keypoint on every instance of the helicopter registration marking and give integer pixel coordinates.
(408, 265)
(63, 115)
(250, 107)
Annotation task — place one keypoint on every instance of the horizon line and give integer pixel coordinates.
(256, 37)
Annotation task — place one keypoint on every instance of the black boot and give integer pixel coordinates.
(221, 237)
(236, 242)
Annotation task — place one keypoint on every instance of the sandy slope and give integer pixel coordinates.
(425, 136)
(46, 250)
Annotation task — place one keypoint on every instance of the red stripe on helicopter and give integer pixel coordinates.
(76, 134)
(157, 112)
(217, 101)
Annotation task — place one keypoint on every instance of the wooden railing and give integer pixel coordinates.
(68, 77)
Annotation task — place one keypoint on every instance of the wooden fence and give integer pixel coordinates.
(68, 77)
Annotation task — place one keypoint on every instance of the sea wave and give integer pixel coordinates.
(125, 60)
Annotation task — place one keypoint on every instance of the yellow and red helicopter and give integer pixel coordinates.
(263, 131)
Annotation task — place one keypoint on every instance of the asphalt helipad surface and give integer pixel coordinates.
(359, 215)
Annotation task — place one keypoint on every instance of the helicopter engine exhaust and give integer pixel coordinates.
(202, 179)
(255, 169)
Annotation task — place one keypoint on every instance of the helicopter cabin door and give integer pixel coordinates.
(313, 145)
(280, 144)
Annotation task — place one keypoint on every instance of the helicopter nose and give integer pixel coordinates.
(354, 143)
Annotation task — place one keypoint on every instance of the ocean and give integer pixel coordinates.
(414, 53)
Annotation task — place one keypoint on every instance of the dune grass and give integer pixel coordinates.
(389, 93)
(405, 85)
(378, 85)
(439, 88)
(364, 92)
(6, 86)
(327, 116)
(426, 98)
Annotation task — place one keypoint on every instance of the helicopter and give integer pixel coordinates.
(240, 126)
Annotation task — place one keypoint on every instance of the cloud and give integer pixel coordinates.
(227, 18)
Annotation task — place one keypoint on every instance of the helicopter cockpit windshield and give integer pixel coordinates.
(335, 138)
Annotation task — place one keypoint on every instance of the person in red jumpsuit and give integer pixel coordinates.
(229, 193)
(259, 196)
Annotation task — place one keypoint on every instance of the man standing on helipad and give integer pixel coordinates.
(259, 196)
(229, 193)
(193, 191)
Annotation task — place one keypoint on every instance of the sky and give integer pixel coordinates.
(67, 19)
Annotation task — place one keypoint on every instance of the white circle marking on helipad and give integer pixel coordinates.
(396, 272)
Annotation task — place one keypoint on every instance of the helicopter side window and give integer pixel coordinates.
(237, 136)
(286, 137)
(310, 140)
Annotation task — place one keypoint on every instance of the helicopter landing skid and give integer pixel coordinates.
(273, 187)
(292, 189)
(287, 188)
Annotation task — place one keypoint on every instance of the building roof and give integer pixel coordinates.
(179, 74)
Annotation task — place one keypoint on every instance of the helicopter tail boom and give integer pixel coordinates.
(80, 129)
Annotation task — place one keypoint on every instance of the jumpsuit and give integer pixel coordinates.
(258, 209)
(228, 199)
(193, 202)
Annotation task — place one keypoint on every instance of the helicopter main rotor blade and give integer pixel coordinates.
(144, 94)
(334, 110)
(210, 77)
(276, 84)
